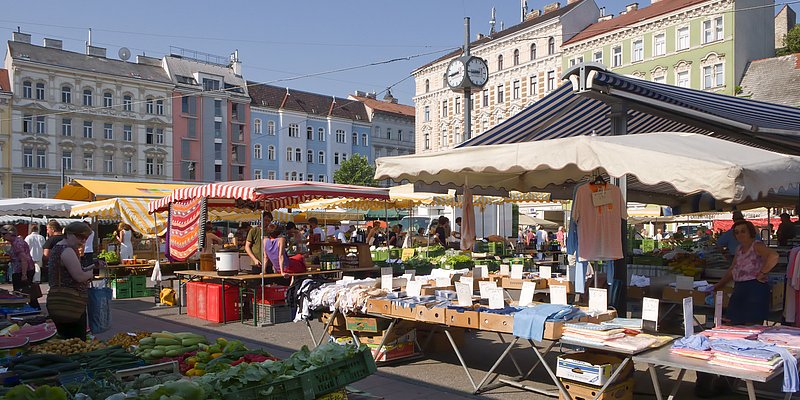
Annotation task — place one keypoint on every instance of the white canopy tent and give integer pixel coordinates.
(38, 206)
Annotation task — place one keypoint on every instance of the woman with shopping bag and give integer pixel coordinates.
(69, 283)
(22, 266)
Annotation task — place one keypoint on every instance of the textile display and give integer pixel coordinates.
(598, 211)
(184, 229)
(100, 309)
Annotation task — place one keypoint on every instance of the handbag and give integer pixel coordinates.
(99, 313)
(65, 304)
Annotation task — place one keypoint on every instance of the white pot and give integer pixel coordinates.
(227, 262)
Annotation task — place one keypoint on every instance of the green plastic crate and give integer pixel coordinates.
(380, 255)
(481, 247)
(289, 389)
(122, 294)
(138, 281)
(121, 284)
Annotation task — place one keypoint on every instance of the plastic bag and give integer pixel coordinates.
(156, 275)
(99, 309)
(167, 297)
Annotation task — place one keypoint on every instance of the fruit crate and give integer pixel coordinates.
(272, 313)
(138, 282)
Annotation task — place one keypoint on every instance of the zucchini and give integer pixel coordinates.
(192, 341)
(167, 342)
(41, 373)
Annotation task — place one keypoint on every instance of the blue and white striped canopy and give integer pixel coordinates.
(651, 107)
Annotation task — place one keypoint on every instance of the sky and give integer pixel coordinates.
(327, 47)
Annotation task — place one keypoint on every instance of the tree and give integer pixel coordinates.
(356, 171)
(792, 40)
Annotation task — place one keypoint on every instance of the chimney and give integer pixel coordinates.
(602, 11)
(53, 43)
(605, 18)
(145, 60)
(533, 14)
(21, 37)
(360, 93)
(622, 12)
(654, 1)
(236, 65)
(479, 36)
(572, 1)
(632, 7)
(372, 95)
(96, 51)
(552, 7)
(389, 98)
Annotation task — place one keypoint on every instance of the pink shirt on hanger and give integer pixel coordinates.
(599, 227)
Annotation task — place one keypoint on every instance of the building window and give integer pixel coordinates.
(27, 157)
(364, 139)
(533, 51)
(159, 136)
(659, 44)
(160, 107)
(127, 133)
(108, 101)
(108, 163)
(149, 106)
(40, 91)
(256, 174)
(160, 167)
(87, 97)
(309, 133)
(66, 127)
(150, 166)
(534, 86)
(389, 133)
(108, 131)
(66, 160)
(444, 108)
(336, 158)
(294, 130)
(88, 130)
(27, 89)
(66, 94)
(597, 57)
(344, 157)
(289, 154)
(427, 142)
(719, 32)
(257, 126)
(271, 128)
(210, 84)
(321, 134)
(321, 157)
(298, 155)
(500, 62)
(41, 158)
(638, 50)
(500, 94)
(129, 165)
(27, 189)
(713, 76)
(310, 156)
(713, 30)
(40, 126)
(257, 151)
(551, 80)
(616, 56)
(341, 137)
(321, 178)
(427, 85)
(27, 123)
(551, 46)
(41, 190)
(485, 98)
(683, 38)
(516, 56)
(270, 152)
(310, 178)
(127, 103)
(399, 135)
(660, 79)
(442, 138)
(682, 79)
(271, 174)
(426, 114)
(515, 90)
(218, 109)
(457, 109)
(88, 161)
(355, 138)
(185, 104)
(456, 135)
(148, 136)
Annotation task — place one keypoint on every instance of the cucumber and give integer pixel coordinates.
(188, 335)
(66, 367)
(163, 335)
(173, 347)
(147, 340)
(167, 342)
(156, 353)
(192, 341)
(172, 353)
(41, 373)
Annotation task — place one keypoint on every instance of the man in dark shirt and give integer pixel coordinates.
(786, 231)
(54, 235)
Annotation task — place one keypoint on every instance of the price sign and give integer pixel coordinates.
(688, 317)
(718, 308)
(484, 270)
(526, 296)
(477, 272)
(546, 272)
(464, 294)
(413, 288)
(484, 287)
(386, 278)
(684, 282)
(443, 282)
(496, 300)
(650, 309)
(505, 270)
(558, 294)
(406, 254)
(516, 271)
(598, 300)
(469, 282)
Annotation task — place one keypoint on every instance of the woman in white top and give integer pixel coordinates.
(124, 236)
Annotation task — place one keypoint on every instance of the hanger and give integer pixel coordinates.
(599, 180)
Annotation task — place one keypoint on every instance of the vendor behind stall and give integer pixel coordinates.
(275, 247)
(240, 237)
(252, 244)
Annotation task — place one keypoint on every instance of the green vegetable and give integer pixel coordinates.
(45, 392)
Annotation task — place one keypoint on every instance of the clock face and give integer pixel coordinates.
(477, 71)
(455, 73)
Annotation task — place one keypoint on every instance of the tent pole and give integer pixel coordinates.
(619, 297)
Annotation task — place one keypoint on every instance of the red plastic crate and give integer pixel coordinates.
(271, 294)
(215, 303)
(195, 299)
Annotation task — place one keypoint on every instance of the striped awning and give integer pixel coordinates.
(581, 108)
(273, 194)
(132, 211)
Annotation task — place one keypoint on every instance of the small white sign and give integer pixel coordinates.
(386, 278)
(558, 294)
(688, 317)
(464, 294)
(440, 273)
(516, 271)
(598, 299)
(496, 300)
(443, 282)
(718, 308)
(413, 288)
(505, 270)
(650, 309)
(348, 278)
(484, 270)
(484, 287)
(684, 282)
(468, 281)
(545, 272)
(477, 272)
(526, 295)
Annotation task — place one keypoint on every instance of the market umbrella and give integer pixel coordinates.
(662, 168)
(525, 219)
(38, 206)
(467, 221)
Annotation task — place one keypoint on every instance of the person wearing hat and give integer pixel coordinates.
(728, 240)
(786, 231)
(22, 266)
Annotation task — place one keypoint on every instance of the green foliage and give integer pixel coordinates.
(110, 257)
(24, 392)
(457, 262)
(356, 171)
(792, 40)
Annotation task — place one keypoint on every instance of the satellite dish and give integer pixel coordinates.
(124, 54)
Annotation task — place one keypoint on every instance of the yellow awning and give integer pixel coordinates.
(91, 190)
(130, 211)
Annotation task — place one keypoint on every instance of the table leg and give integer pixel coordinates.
(751, 390)
(484, 381)
(536, 364)
(654, 377)
(677, 384)
(513, 360)
(461, 360)
(550, 372)
(612, 378)
(324, 330)
(386, 335)
(311, 332)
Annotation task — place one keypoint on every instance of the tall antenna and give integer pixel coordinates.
(524, 6)
(492, 21)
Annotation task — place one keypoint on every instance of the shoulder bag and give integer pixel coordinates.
(65, 304)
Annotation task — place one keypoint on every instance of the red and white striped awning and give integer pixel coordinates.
(275, 193)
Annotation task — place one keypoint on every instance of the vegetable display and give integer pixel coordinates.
(67, 347)
(110, 257)
(167, 344)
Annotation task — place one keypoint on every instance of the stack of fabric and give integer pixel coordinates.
(695, 346)
(529, 323)
(593, 334)
(734, 332)
(783, 336)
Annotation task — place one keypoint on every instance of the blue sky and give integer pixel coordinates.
(279, 42)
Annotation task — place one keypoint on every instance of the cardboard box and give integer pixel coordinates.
(508, 283)
(367, 324)
(570, 286)
(591, 368)
(698, 297)
(431, 290)
(389, 353)
(403, 312)
(636, 292)
(435, 315)
(606, 316)
(578, 391)
(379, 306)
(398, 335)
(497, 322)
(462, 318)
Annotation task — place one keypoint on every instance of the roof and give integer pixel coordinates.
(774, 80)
(385, 106)
(630, 18)
(187, 67)
(505, 32)
(90, 190)
(5, 84)
(282, 98)
(20, 51)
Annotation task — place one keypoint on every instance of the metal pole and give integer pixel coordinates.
(467, 92)
(619, 126)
